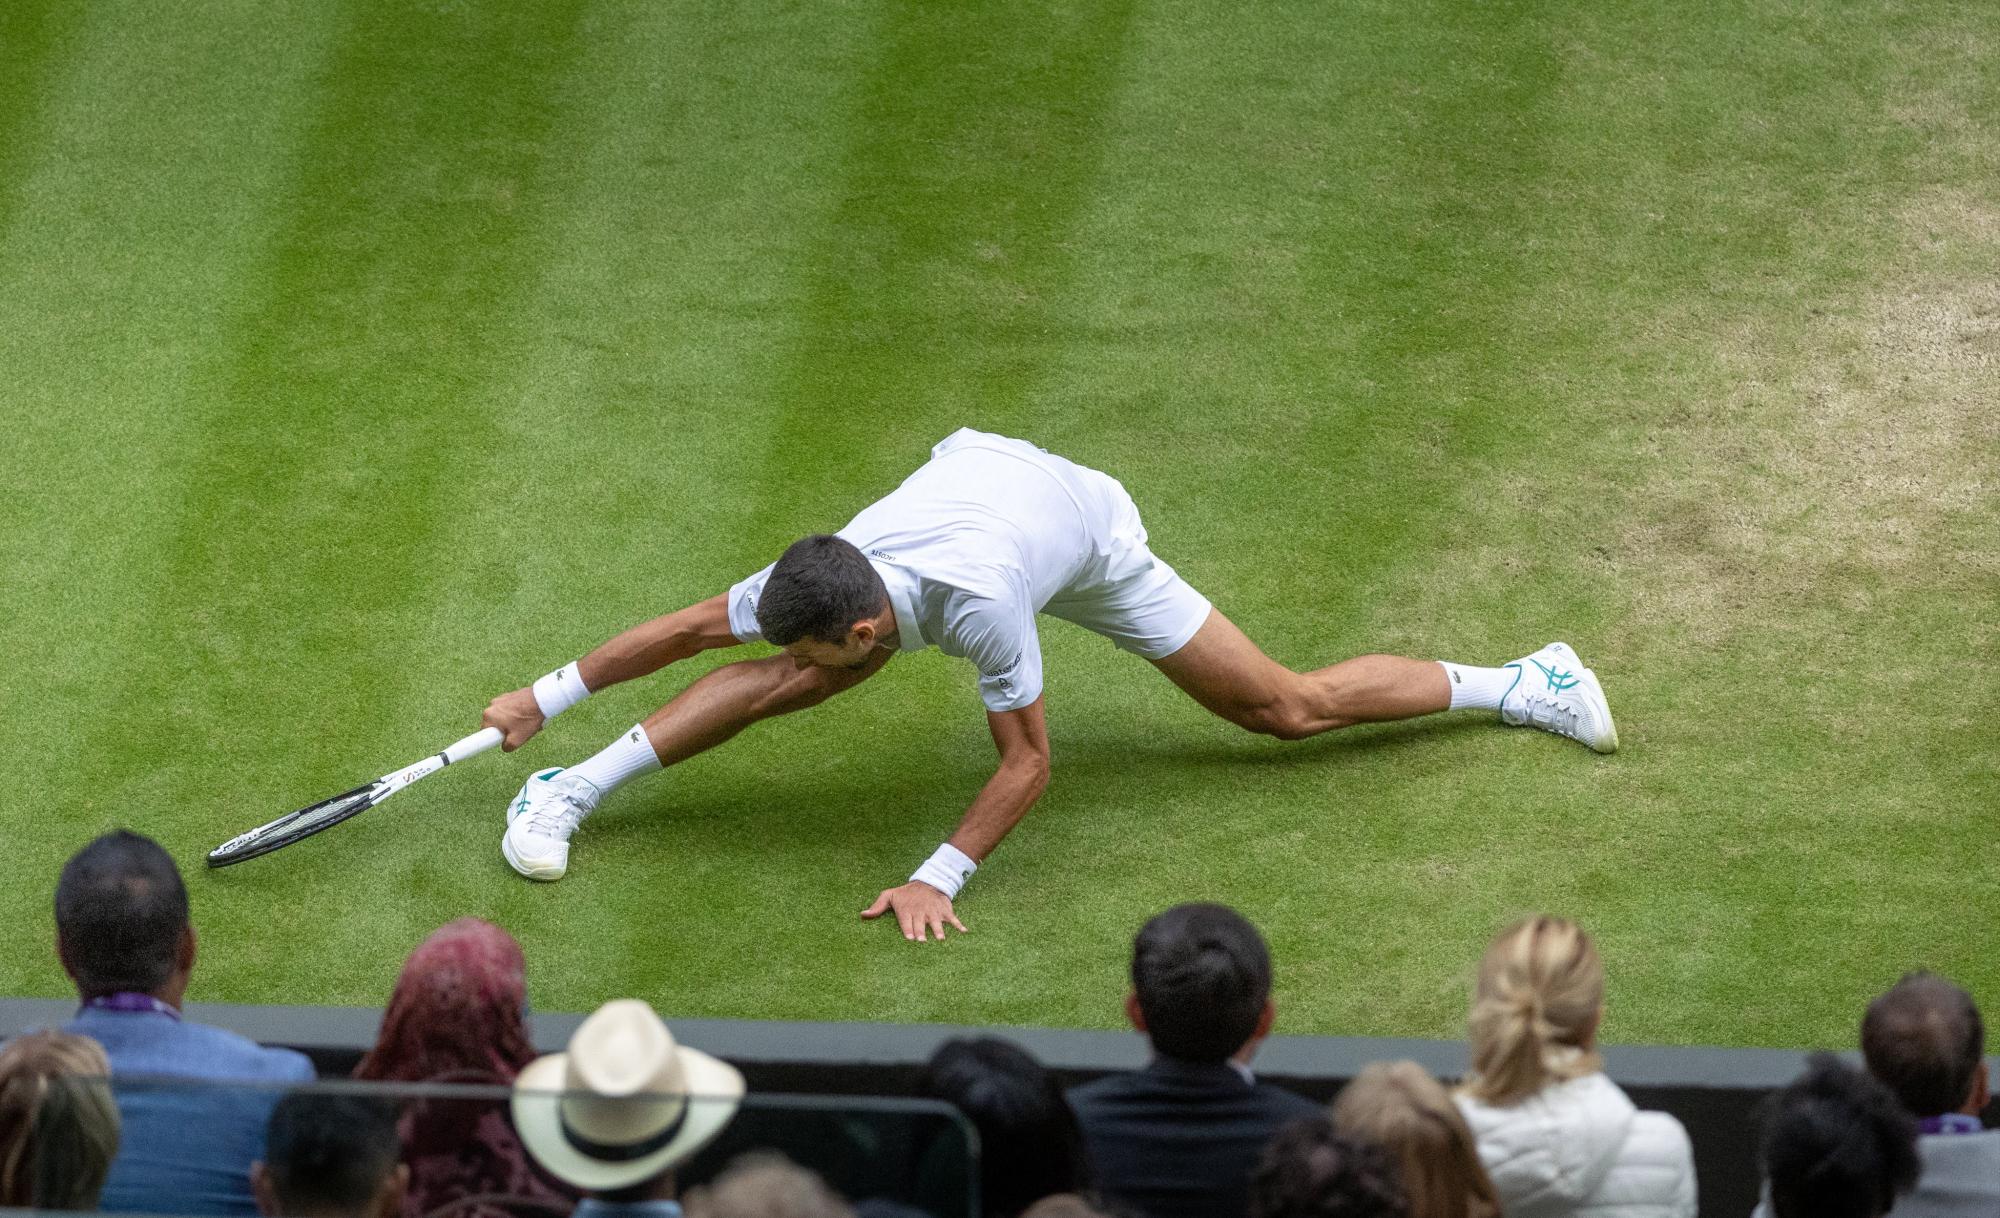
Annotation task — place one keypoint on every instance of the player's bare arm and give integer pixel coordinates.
(638, 652)
(1022, 736)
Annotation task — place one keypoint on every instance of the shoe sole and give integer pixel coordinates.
(1607, 743)
(547, 875)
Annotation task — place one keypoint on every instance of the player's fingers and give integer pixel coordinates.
(936, 925)
(954, 922)
(881, 903)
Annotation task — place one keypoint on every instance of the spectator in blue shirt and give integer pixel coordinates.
(123, 933)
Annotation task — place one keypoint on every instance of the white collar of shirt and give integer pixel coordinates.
(902, 586)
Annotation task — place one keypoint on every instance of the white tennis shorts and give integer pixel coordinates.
(1125, 592)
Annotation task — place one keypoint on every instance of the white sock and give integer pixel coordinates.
(621, 761)
(1478, 688)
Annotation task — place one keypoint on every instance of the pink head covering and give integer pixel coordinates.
(458, 1010)
(458, 1015)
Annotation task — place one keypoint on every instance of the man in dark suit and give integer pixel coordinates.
(1179, 1138)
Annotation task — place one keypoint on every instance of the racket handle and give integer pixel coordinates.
(473, 745)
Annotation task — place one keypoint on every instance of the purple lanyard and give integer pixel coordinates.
(132, 1004)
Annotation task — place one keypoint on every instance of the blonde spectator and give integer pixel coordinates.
(1556, 1135)
(762, 1184)
(58, 1124)
(1399, 1107)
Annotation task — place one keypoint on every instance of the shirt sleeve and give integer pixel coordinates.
(743, 607)
(1000, 639)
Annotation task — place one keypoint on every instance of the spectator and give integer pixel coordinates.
(1029, 1144)
(123, 934)
(1924, 1040)
(58, 1122)
(1837, 1145)
(458, 1015)
(1311, 1171)
(1557, 1136)
(1399, 1107)
(621, 1109)
(1178, 1139)
(766, 1185)
(330, 1156)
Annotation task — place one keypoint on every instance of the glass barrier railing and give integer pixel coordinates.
(471, 1150)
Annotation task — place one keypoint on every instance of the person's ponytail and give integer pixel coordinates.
(1534, 1011)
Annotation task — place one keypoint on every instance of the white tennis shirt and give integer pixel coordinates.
(971, 547)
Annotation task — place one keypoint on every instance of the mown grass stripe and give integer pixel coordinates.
(35, 41)
(119, 269)
(311, 504)
(971, 154)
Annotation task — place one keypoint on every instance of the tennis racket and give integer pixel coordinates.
(295, 826)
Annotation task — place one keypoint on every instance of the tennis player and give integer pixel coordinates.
(962, 557)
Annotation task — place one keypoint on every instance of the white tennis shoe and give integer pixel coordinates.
(1553, 691)
(540, 821)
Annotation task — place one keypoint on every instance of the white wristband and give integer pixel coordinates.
(560, 690)
(946, 870)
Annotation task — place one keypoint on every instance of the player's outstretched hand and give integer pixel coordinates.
(517, 715)
(920, 909)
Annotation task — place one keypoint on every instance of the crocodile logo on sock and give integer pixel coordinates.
(1558, 680)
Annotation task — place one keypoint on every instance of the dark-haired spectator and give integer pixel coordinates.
(58, 1123)
(623, 1107)
(1311, 1171)
(1837, 1145)
(1556, 1135)
(1030, 1146)
(1925, 1041)
(1399, 1107)
(1178, 1138)
(763, 1184)
(123, 934)
(458, 1014)
(329, 1155)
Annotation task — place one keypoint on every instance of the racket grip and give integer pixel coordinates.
(473, 745)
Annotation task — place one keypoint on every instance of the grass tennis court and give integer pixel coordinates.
(362, 360)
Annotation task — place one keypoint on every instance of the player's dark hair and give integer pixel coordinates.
(121, 910)
(819, 588)
(329, 1153)
(1030, 1145)
(1310, 1171)
(1837, 1144)
(1202, 974)
(1925, 1040)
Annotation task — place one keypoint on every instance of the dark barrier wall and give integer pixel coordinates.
(1714, 1092)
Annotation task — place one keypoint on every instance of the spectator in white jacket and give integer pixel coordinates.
(1556, 1135)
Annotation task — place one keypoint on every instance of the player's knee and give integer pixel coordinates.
(1283, 720)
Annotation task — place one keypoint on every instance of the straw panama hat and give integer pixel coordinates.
(575, 1113)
